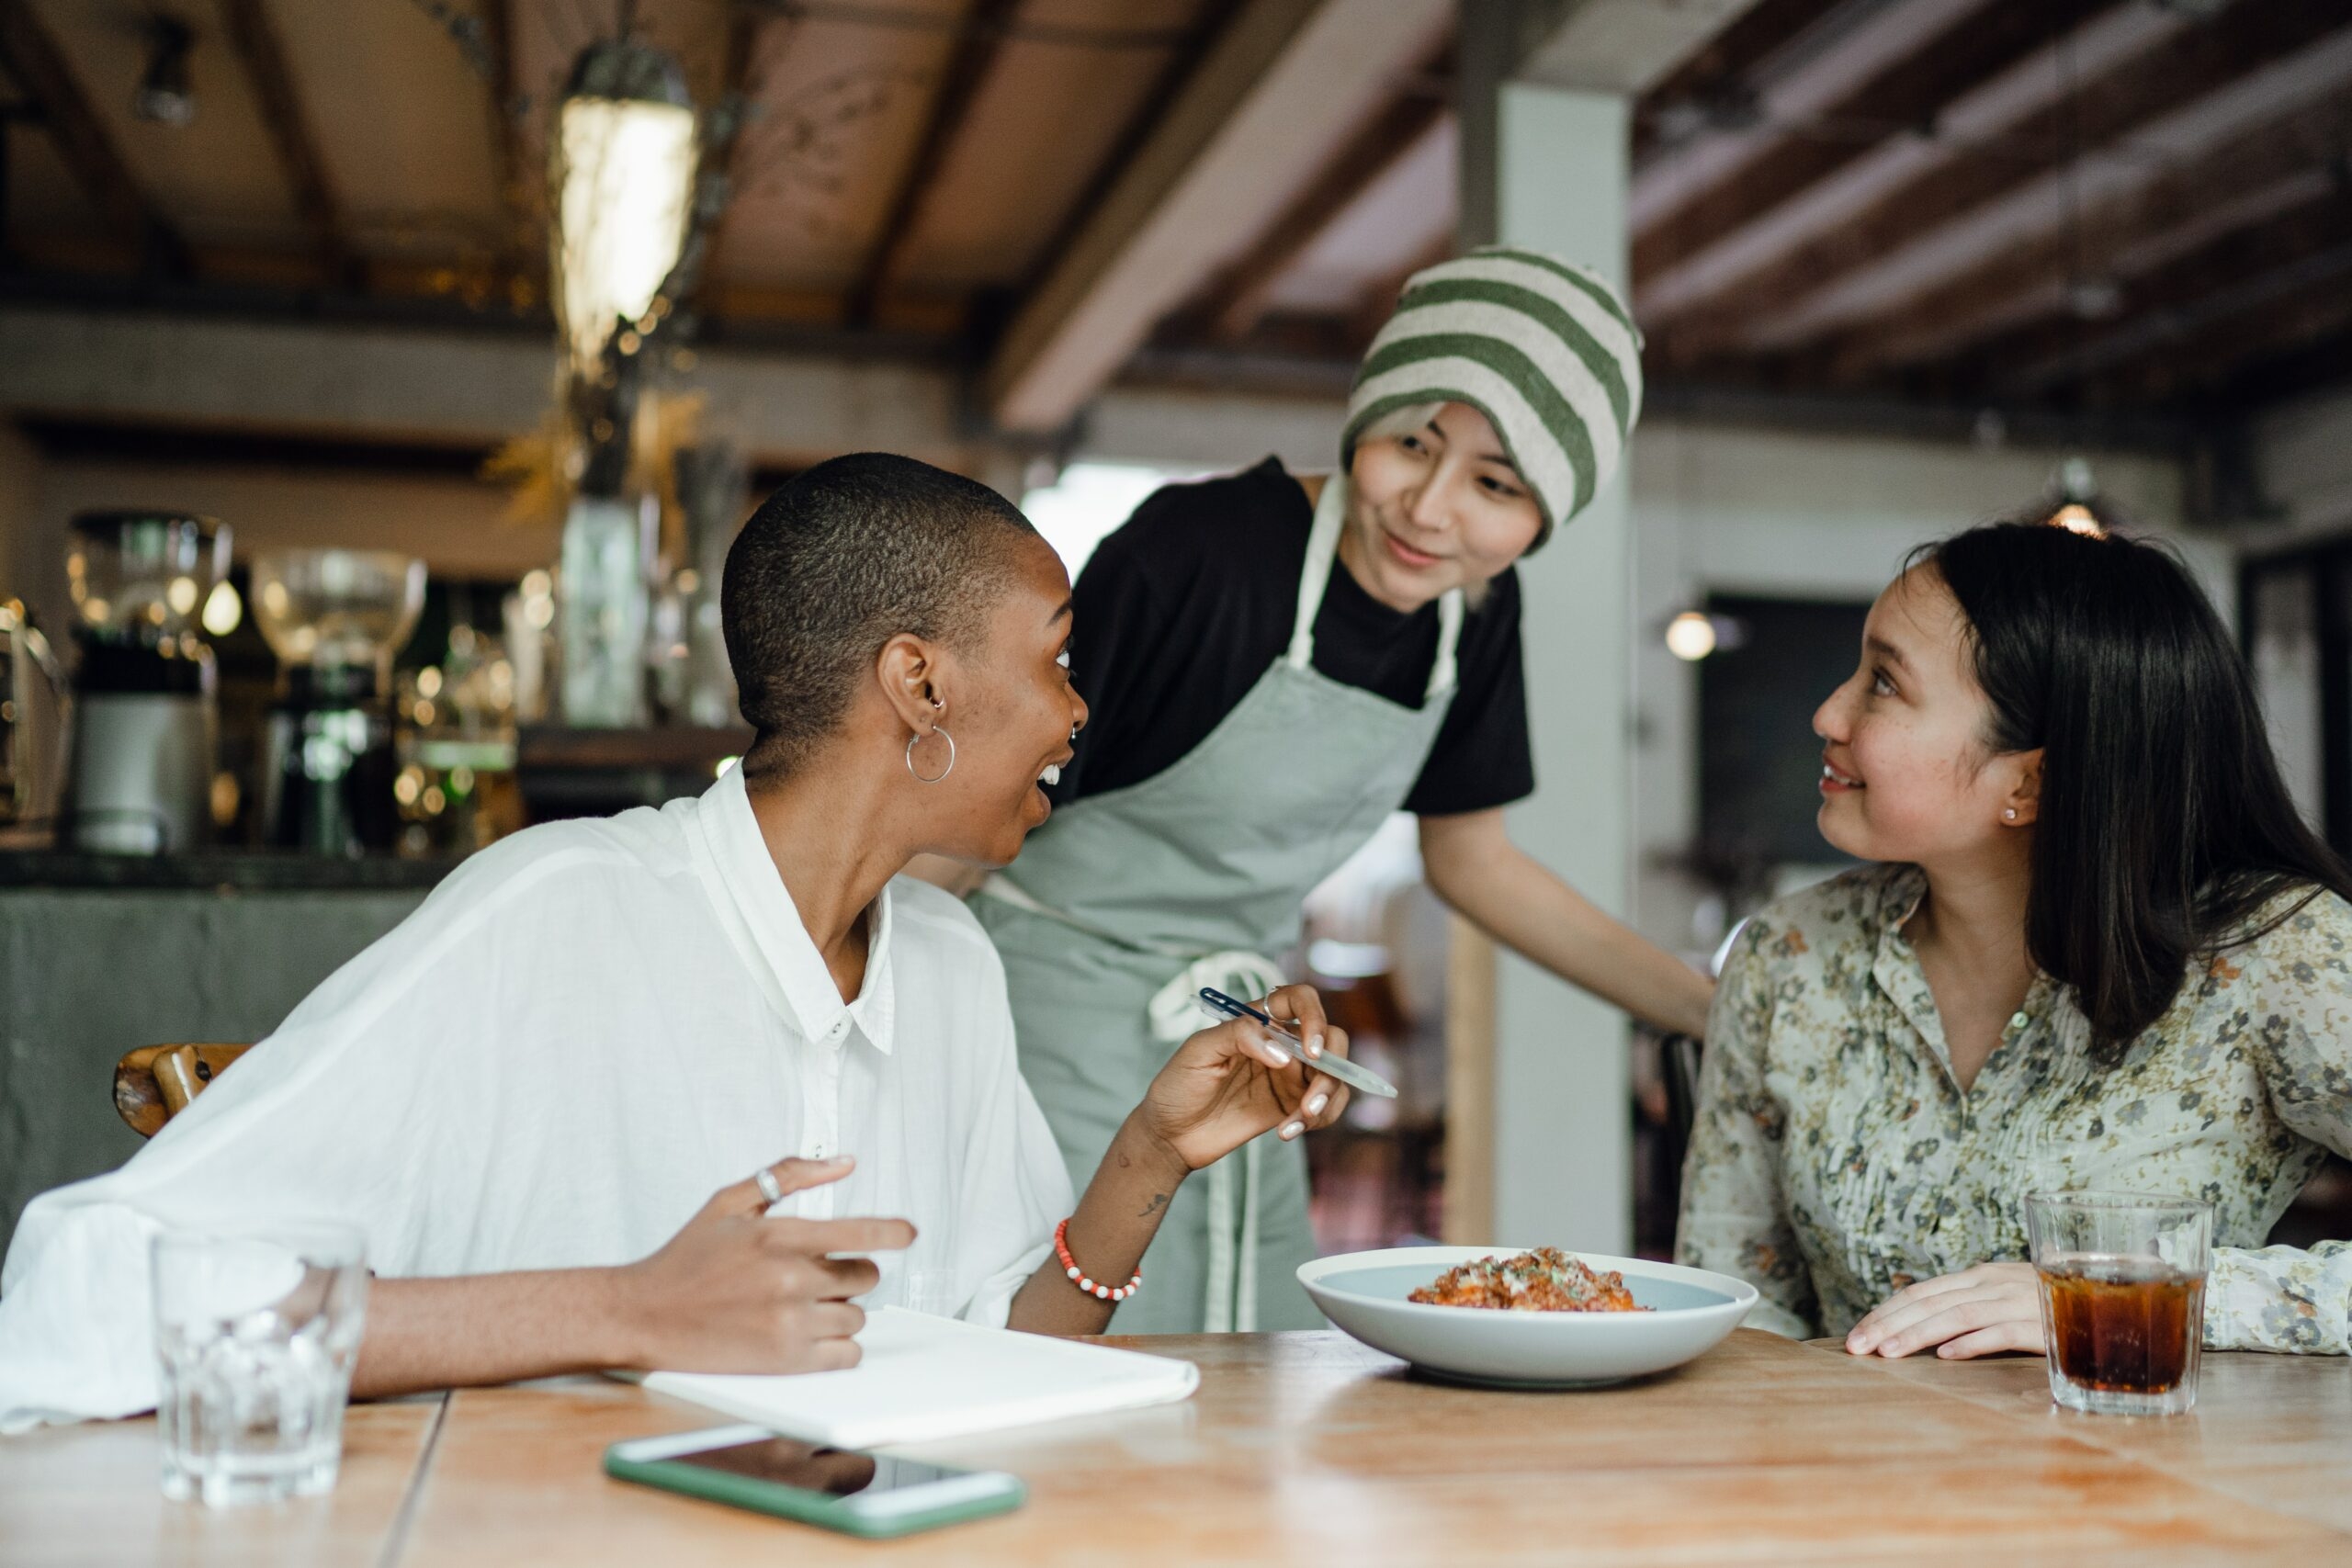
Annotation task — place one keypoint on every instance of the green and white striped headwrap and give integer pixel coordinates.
(1543, 348)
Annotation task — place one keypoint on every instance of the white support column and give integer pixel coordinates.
(1546, 167)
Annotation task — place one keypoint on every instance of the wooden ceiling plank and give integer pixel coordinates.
(33, 60)
(1905, 94)
(255, 39)
(1237, 302)
(2216, 289)
(1982, 302)
(1378, 302)
(2266, 319)
(516, 266)
(1270, 97)
(740, 84)
(2186, 66)
(1796, 85)
(2317, 361)
(978, 43)
(1717, 72)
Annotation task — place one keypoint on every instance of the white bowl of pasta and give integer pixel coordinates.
(1543, 1320)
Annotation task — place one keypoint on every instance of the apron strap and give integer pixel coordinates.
(1449, 638)
(1322, 549)
(1230, 1303)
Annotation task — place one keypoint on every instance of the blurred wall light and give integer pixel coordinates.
(622, 175)
(1690, 635)
(1695, 634)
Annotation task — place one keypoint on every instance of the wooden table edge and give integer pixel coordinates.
(2087, 1434)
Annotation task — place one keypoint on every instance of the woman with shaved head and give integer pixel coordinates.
(637, 1092)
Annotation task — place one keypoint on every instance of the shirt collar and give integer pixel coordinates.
(749, 876)
(1896, 966)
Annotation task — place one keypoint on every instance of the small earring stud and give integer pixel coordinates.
(2011, 814)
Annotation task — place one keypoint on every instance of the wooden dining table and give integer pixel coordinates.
(1312, 1449)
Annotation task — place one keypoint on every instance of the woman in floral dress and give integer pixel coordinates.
(2096, 948)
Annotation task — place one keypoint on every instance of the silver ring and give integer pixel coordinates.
(770, 1189)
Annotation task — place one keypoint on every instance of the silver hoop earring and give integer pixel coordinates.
(917, 739)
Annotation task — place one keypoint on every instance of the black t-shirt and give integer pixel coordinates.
(1181, 611)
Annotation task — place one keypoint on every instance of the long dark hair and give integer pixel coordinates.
(2164, 826)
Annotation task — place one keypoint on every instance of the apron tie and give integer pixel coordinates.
(1173, 1012)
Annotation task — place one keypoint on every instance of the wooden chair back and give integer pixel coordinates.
(154, 1083)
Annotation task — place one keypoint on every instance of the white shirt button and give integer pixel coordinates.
(2019, 1019)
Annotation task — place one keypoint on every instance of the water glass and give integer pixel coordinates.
(256, 1332)
(2122, 1279)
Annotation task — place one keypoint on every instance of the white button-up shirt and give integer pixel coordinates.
(584, 1032)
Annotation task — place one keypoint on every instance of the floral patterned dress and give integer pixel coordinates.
(1836, 1159)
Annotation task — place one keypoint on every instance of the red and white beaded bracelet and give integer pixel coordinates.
(1069, 1267)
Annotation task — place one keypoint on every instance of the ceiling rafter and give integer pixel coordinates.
(739, 83)
(1175, 71)
(1713, 80)
(516, 267)
(2160, 304)
(2211, 329)
(1237, 301)
(1979, 46)
(978, 45)
(34, 62)
(2022, 284)
(2186, 66)
(253, 37)
(1378, 302)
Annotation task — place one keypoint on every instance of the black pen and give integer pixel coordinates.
(1219, 1006)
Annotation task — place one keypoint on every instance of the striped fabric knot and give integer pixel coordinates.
(1543, 348)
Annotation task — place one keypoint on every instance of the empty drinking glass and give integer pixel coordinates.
(2122, 1298)
(256, 1332)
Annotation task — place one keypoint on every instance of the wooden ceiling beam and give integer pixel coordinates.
(36, 64)
(2319, 363)
(2265, 320)
(1613, 46)
(255, 39)
(519, 262)
(1898, 100)
(1717, 74)
(978, 41)
(740, 84)
(1237, 301)
(1377, 303)
(2188, 65)
(2213, 309)
(2019, 286)
(1271, 96)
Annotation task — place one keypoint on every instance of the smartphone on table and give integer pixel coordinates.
(857, 1494)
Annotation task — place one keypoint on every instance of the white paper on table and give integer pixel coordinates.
(923, 1379)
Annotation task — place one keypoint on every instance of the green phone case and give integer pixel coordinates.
(795, 1503)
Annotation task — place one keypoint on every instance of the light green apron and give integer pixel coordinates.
(1124, 904)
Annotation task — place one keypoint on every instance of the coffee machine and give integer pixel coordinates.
(140, 781)
(334, 619)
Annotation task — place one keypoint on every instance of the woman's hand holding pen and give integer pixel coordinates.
(1226, 1084)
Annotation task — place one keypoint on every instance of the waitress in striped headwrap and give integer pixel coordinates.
(1275, 664)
